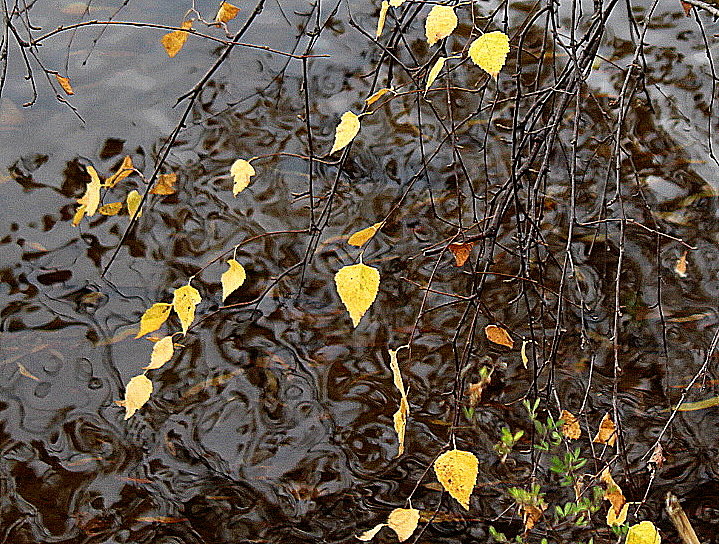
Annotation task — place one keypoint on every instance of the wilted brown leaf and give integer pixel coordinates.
(607, 433)
(680, 268)
(613, 493)
(165, 184)
(65, 84)
(499, 336)
(570, 427)
(461, 252)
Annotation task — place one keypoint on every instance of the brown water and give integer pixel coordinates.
(273, 423)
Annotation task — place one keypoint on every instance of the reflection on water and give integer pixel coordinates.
(273, 423)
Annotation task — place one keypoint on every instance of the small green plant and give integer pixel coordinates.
(506, 442)
(567, 466)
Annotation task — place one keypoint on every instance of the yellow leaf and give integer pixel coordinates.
(232, 278)
(400, 416)
(173, 41)
(91, 198)
(65, 84)
(382, 18)
(523, 351)
(396, 3)
(165, 184)
(184, 300)
(499, 336)
(376, 96)
(133, 203)
(357, 286)
(226, 13)
(489, 52)
(241, 171)
(153, 318)
(607, 433)
(110, 209)
(361, 237)
(433, 73)
(403, 521)
(137, 393)
(79, 214)
(570, 427)
(162, 352)
(346, 131)
(643, 533)
(440, 23)
(126, 169)
(371, 533)
(613, 493)
(457, 471)
(617, 519)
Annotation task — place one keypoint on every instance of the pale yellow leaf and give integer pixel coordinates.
(396, 3)
(25, 372)
(241, 171)
(457, 471)
(226, 13)
(489, 52)
(79, 214)
(617, 519)
(643, 533)
(126, 169)
(173, 41)
(346, 131)
(400, 416)
(113, 208)
(91, 198)
(153, 318)
(523, 351)
(65, 84)
(403, 521)
(371, 533)
(137, 393)
(357, 286)
(433, 73)
(440, 23)
(376, 96)
(165, 184)
(570, 427)
(607, 433)
(396, 375)
(184, 300)
(232, 278)
(382, 18)
(133, 203)
(361, 237)
(498, 335)
(162, 352)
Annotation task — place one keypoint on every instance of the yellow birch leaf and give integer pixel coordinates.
(79, 214)
(613, 493)
(400, 416)
(643, 533)
(226, 13)
(173, 41)
(153, 318)
(617, 519)
(440, 23)
(403, 521)
(184, 300)
(137, 393)
(232, 278)
(499, 336)
(523, 351)
(126, 169)
(433, 73)
(91, 198)
(64, 82)
(241, 170)
(361, 237)
(376, 96)
(382, 18)
(133, 203)
(162, 352)
(607, 433)
(371, 533)
(457, 471)
(346, 131)
(489, 52)
(165, 184)
(396, 3)
(357, 286)
(570, 427)
(113, 208)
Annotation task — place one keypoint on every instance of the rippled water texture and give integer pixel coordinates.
(273, 422)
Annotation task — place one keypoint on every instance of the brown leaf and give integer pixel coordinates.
(461, 252)
(165, 185)
(65, 84)
(607, 433)
(173, 41)
(531, 515)
(570, 427)
(613, 493)
(687, 7)
(226, 13)
(657, 457)
(499, 336)
(680, 268)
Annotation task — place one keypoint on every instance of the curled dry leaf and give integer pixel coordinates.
(371, 533)
(570, 427)
(617, 519)
(433, 73)
(680, 268)
(137, 393)
(523, 353)
(173, 41)
(162, 352)
(531, 514)
(153, 318)
(400, 416)
(357, 286)
(113, 208)
(226, 13)
(184, 301)
(613, 492)
(643, 533)
(457, 471)
(607, 433)
(376, 96)
(91, 198)
(64, 82)
(440, 23)
(499, 336)
(125, 170)
(346, 131)
(361, 237)
(382, 18)
(133, 204)
(461, 252)
(165, 184)
(241, 171)
(403, 521)
(232, 278)
(489, 52)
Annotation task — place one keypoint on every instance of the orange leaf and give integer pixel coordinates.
(570, 427)
(125, 170)
(613, 493)
(173, 41)
(165, 185)
(607, 433)
(65, 84)
(499, 336)
(461, 252)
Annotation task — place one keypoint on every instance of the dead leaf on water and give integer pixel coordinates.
(499, 336)
(607, 433)
(64, 82)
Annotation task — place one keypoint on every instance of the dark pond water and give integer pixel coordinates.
(273, 422)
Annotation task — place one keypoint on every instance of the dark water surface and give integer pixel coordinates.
(273, 422)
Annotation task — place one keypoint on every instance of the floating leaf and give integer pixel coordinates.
(371, 533)
(440, 23)
(162, 352)
(687, 7)
(65, 84)
(137, 393)
(25, 372)
(382, 18)
(400, 416)
(184, 301)
(91, 198)
(613, 493)
(226, 13)
(403, 521)
(570, 427)
(153, 318)
(113, 208)
(607, 433)
(457, 471)
(361, 237)
(125, 170)
(376, 96)
(241, 171)
(499, 336)
(461, 252)
(680, 268)
(433, 73)
(346, 131)
(357, 286)
(489, 52)
(617, 519)
(232, 278)
(133, 204)
(396, 3)
(531, 514)
(79, 214)
(165, 184)
(643, 533)
(173, 41)
(523, 352)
